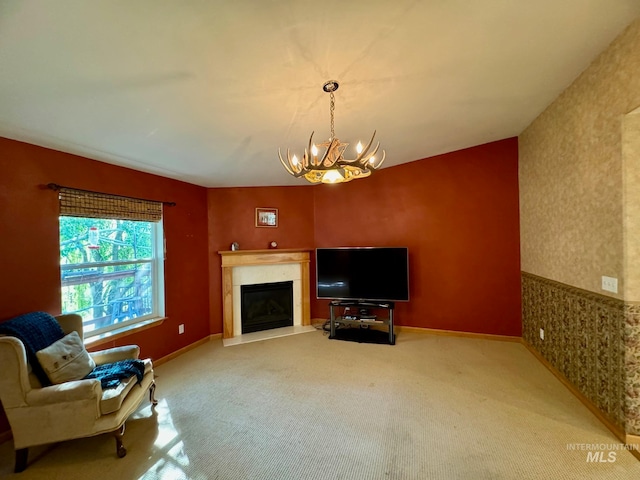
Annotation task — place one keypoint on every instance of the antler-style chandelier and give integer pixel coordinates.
(332, 167)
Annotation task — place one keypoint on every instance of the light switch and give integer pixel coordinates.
(610, 284)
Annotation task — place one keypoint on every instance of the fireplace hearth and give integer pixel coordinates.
(266, 306)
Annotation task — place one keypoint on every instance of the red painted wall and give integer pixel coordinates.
(232, 219)
(458, 214)
(29, 251)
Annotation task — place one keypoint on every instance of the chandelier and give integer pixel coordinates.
(332, 167)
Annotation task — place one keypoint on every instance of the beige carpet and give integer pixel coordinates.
(306, 407)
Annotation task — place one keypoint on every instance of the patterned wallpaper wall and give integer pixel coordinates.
(571, 204)
(592, 339)
(583, 339)
(579, 177)
(631, 196)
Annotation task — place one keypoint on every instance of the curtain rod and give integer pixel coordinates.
(55, 186)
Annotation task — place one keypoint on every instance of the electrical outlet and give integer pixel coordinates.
(542, 334)
(610, 284)
(181, 328)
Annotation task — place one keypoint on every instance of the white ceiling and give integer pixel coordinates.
(207, 91)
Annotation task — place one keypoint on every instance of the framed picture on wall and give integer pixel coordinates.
(266, 217)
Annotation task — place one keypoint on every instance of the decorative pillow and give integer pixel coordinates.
(66, 359)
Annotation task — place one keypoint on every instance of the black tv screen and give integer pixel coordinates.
(363, 273)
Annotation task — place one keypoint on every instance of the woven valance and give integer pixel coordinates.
(82, 203)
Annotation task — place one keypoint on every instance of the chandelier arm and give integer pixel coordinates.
(384, 155)
(369, 166)
(366, 149)
(305, 160)
(294, 170)
(310, 143)
(364, 162)
(295, 166)
(287, 168)
(331, 146)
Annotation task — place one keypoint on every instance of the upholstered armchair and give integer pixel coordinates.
(40, 414)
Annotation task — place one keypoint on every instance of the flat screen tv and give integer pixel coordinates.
(379, 274)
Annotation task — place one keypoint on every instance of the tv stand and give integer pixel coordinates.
(358, 314)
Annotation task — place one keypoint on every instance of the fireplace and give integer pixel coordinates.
(266, 305)
(251, 267)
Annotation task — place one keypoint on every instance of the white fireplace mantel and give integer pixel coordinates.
(285, 264)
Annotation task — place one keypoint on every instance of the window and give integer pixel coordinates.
(111, 258)
(111, 271)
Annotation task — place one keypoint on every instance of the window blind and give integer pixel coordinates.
(82, 203)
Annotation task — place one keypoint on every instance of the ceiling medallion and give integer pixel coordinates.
(332, 167)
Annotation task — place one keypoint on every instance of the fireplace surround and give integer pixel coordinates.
(247, 267)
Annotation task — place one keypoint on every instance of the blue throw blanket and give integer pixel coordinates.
(110, 374)
(36, 330)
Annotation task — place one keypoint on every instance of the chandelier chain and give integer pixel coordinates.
(332, 108)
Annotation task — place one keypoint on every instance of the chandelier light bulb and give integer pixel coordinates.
(332, 176)
(359, 148)
(294, 160)
(314, 150)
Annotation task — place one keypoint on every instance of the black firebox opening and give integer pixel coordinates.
(266, 305)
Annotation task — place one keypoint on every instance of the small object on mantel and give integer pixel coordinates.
(235, 246)
(273, 245)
